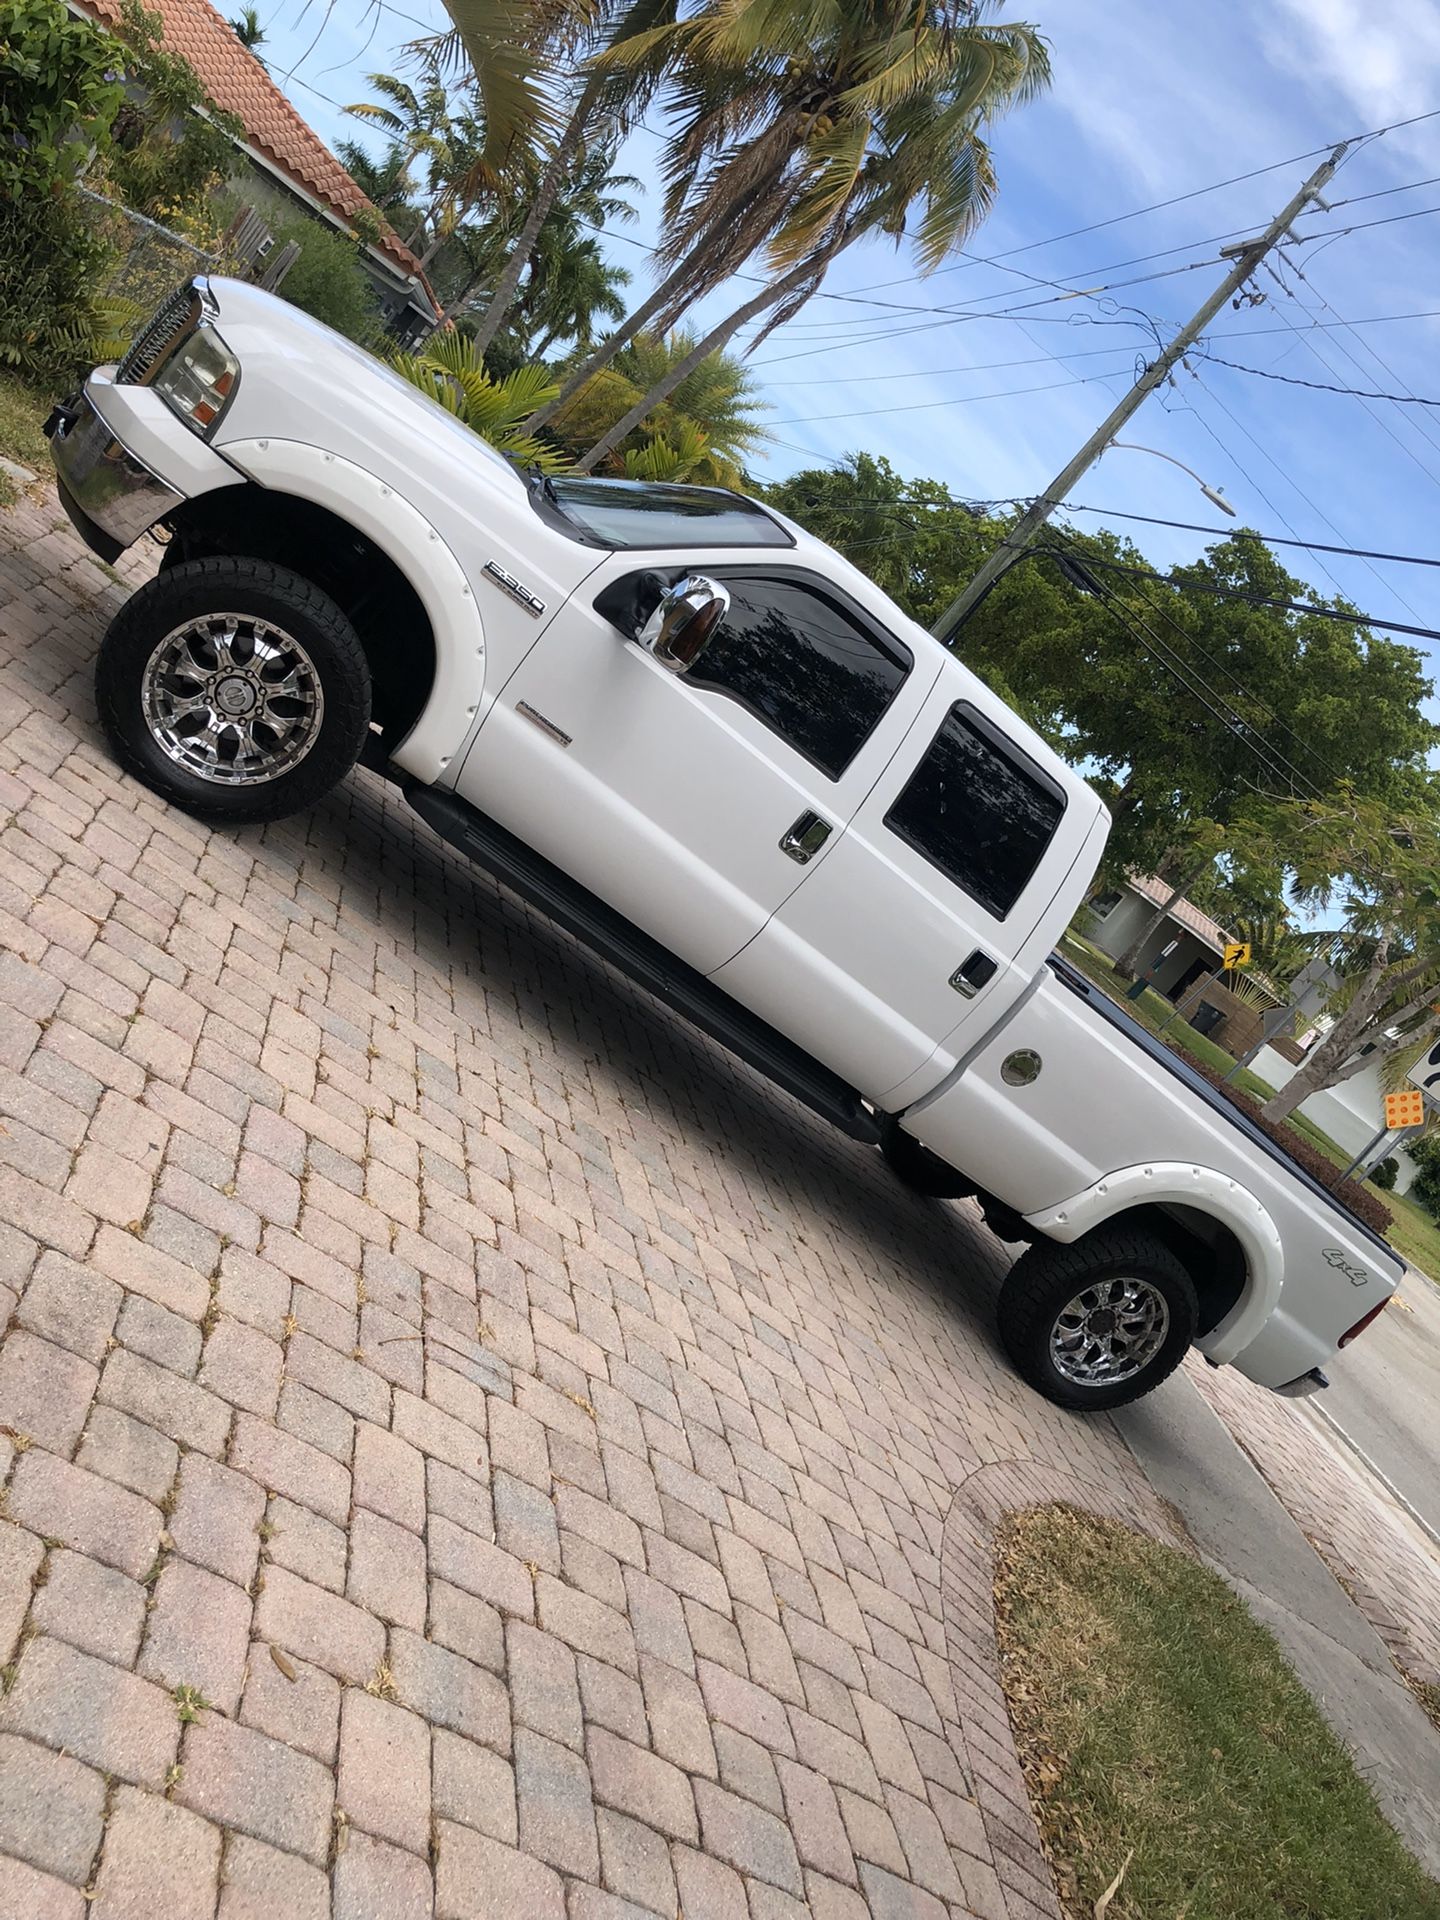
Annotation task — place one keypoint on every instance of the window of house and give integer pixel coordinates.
(804, 665)
(980, 809)
(1104, 904)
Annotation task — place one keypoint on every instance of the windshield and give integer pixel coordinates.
(640, 513)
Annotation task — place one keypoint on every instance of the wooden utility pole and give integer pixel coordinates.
(1247, 256)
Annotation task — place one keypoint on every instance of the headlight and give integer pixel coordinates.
(199, 380)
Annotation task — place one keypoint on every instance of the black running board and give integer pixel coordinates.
(644, 960)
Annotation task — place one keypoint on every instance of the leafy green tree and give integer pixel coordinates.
(328, 280)
(1388, 953)
(1336, 701)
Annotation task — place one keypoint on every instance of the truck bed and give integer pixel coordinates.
(1110, 1011)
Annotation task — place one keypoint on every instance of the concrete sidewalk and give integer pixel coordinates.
(1241, 1527)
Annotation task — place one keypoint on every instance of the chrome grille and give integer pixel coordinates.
(158, 338)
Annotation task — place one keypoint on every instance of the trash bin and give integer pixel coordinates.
(1205, 1018)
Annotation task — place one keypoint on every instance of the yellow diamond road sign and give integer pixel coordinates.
(1404, 1109)
(1237, 953)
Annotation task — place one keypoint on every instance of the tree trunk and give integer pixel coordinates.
(1129, 961)
(717, 337)
(503, 298)
(603, 355)
(1336, 1057)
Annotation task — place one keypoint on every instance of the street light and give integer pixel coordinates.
(1212, 494)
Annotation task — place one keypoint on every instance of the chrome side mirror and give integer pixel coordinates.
(685, 621)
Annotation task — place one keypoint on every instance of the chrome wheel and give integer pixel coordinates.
(233, 699)
(1110, 1331)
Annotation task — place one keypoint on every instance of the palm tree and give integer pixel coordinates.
(384, 182)
(705, 429)
(451, 373)
(575, 288)
(603, 105)
(425, 127)
(807, 126)
(249, 32)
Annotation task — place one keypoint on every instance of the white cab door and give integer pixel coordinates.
(669, 795)
(908, 936)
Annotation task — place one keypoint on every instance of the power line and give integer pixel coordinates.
(966, 399)
(1270, 539)
(1316, 386)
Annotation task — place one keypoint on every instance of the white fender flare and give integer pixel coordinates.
(402, 532)
(1179, 1183)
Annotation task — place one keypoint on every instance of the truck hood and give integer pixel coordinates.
(301, 380)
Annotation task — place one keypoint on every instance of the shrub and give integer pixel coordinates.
(1425, 1187)
(1384, 1176)
(328, 280)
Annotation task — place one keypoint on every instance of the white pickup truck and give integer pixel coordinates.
(707, 745)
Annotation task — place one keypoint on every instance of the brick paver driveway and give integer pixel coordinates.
(469, 1447)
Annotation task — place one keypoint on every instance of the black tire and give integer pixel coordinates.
(1047, 1278)
(191, 590)
(920, 1169)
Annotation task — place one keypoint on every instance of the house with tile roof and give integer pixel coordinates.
(285, 149)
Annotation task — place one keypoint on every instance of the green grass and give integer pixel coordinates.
(22, 411)
(1156, 1718)
(1414, 1235)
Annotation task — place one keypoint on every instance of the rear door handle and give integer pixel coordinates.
(973, 974)
(805, 839)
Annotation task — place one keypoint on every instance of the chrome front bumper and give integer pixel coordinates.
(111, 497)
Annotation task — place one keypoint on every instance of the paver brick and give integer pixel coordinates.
(161, 1399)
(891, 1898)
(439, 1433)
(243, 1366)
(45, 1390)
(28, 1894)
(317, 1626)
(635, 1781)
(478, 1879)
(141, 1267)
(450, 1691)
(751, 1840)
(112, 1719)
(296, 1538)
(387, 1570)
(544, 1684)
(707, 1886)
(635, 1863)
(557, 1813)
(82, 1511)
(473, 1786)
(376, 1881)
(261, 1883)
(389, 1476)
(105, 1183)
(51, 1809)
(217, 1517)
(317, 1421)
(291, 1700)
(286, 1465)
(383, 1782)
(586, 1624)
(238, 1777)
(199, 1634)
(167, 1338)
(21, 1554)
(158, 1859)
(70, 1305)
(125, 1450)
(91, 1606)
(467, 1626)
(750, 1709)
(679, 1722)
(487, 1571)
(814, 1818)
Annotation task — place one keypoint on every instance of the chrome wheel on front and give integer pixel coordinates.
(233, 699)
(1110, 1331)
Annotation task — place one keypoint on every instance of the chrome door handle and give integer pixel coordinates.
(805, 839)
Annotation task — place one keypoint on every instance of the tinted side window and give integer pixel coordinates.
(798, 661)
(978, 808)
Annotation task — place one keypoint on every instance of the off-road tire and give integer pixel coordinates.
(920, 1169)
(189, 590)
(1048, 1276)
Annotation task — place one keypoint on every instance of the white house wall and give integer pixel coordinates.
(1351, 1114)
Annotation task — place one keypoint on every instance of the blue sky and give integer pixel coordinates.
(1150, 101)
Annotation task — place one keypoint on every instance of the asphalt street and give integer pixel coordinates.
(1384, 1395)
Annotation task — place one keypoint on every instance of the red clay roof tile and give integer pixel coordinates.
(237, 81)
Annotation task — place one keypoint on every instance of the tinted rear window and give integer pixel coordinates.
(980, 809)
(639, 513)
